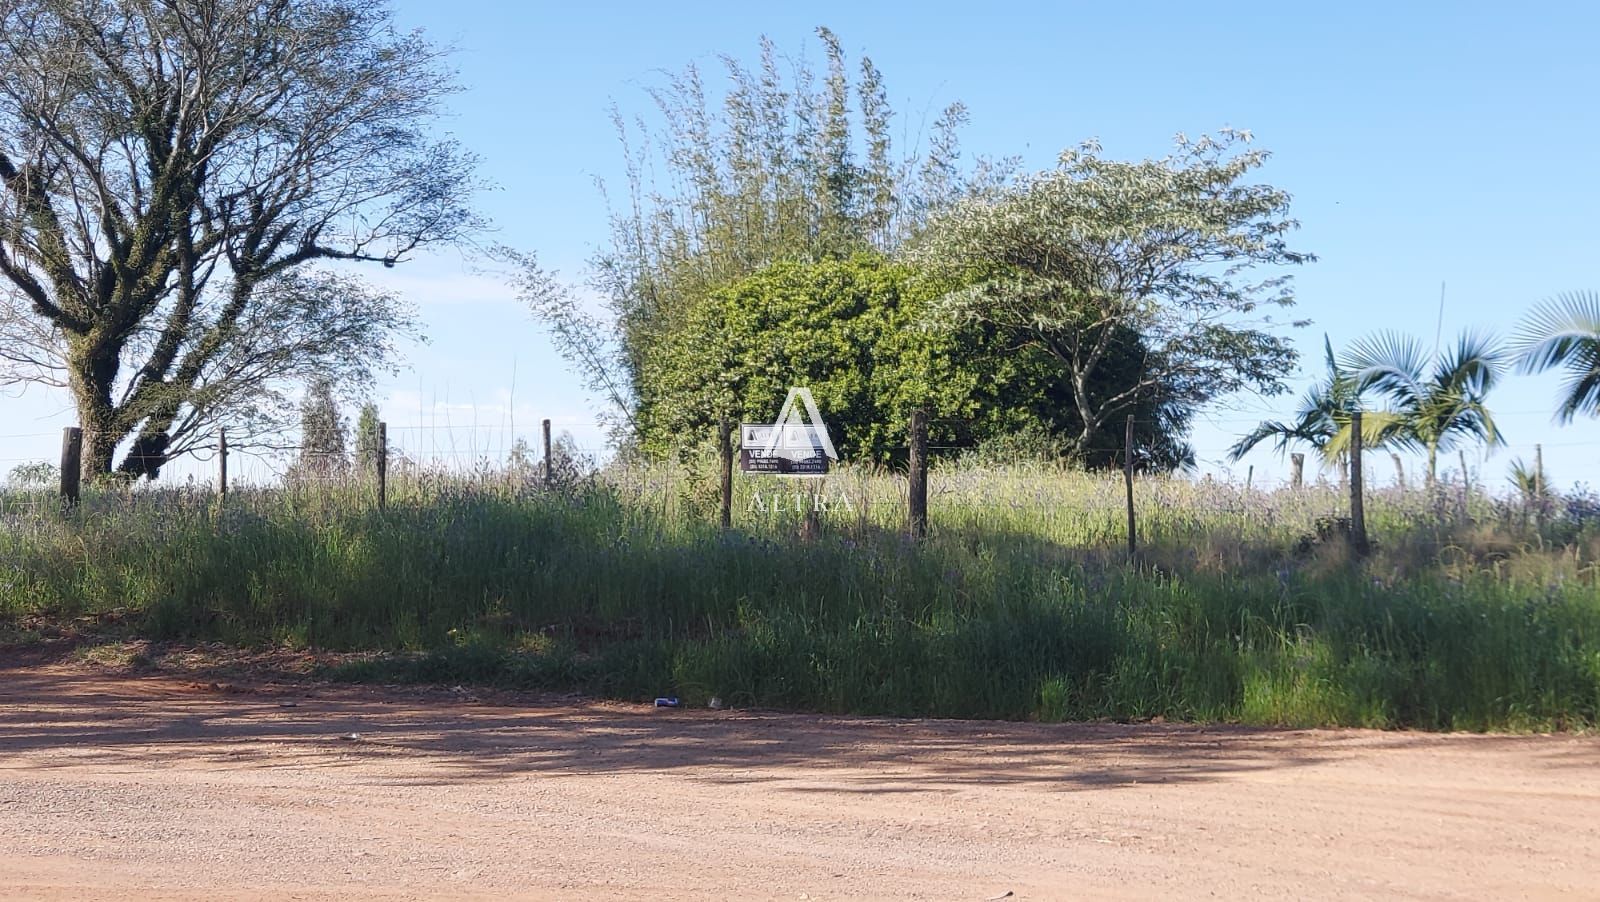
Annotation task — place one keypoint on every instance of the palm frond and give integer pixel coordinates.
(1581, 388)
(1379, 429)
(1564, 331)
(1282, 435)
(1555, 329)
(1472, 419)
(1473, 367)
(1315, 415)
(1529, 480)
(1390, 363)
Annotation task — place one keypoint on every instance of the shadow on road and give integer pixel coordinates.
(75, 716)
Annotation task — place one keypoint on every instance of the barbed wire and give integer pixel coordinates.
(471, 446)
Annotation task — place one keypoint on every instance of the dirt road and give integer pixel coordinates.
(158, 787)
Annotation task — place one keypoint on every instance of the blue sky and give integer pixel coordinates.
(1450, 143)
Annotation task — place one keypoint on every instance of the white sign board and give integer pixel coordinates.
(797, 450)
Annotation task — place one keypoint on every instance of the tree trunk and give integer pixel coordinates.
(1433, 466)
(1082, 445)
(1080, 390)
(147, 456)
(94, 364)
(99, 444)
(92, 375)
(149, 452)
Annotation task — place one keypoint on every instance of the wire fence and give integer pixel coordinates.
(467, 450)
(445, 447)
(414, 462)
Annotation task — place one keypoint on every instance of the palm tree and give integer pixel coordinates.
(1564, 331)
(1322, 411)
(1433, 403)
(1530, 481)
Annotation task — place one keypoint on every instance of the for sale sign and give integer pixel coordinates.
(796, 445)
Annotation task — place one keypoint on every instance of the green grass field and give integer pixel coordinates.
(1472, 613)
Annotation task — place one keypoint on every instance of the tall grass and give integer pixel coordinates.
(1020, 604)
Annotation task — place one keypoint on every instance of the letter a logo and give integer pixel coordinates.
(798, 430)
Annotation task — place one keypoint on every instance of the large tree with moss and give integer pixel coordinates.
(171, 171)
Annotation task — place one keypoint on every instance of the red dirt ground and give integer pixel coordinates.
(140, 787)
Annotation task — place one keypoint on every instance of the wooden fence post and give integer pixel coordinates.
(222, 463)
(1538, 487)
(1358, 513)
(1127, 478)
(1297, 462)
(382, 463)
(549, 470)
(71, 466)
(917, 467)
(725, 455)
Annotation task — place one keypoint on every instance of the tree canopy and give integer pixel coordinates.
(746, 269)
(852, 331)
(1074, 257)
(784, 164)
